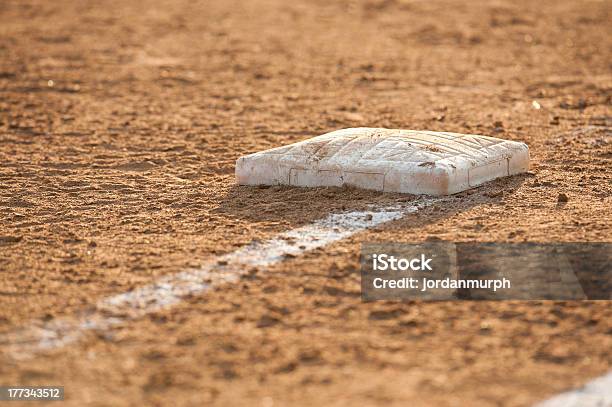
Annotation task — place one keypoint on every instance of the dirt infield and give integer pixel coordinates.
(120, 123)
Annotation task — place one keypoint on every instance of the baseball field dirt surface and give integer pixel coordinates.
(120, 126)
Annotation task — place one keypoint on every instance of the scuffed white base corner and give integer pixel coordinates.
(597, 393)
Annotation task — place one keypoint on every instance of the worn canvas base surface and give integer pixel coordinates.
(405, 161)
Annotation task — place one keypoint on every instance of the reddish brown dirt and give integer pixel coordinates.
(120, 123)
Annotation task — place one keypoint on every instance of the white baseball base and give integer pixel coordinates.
(405, 161)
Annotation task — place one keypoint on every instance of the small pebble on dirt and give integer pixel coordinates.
(562, 197)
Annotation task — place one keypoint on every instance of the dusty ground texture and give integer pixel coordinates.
(120, 123)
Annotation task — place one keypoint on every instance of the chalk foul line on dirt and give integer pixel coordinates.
(113, 311)
(167, 291)
(596, 393)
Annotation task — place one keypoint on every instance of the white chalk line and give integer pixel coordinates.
(167, 291)
(596, 393)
